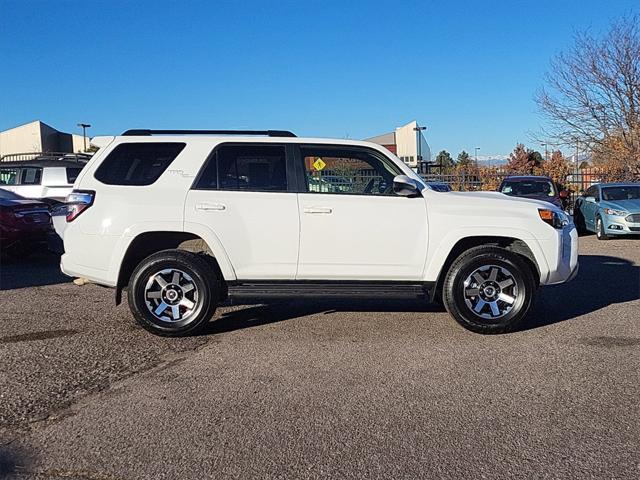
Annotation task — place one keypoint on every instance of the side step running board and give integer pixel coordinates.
(258, 290)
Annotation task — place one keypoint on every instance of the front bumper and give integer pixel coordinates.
(562, 256)
(619, 225)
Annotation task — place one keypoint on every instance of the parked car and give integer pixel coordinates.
(609, 209)
(535, 187)
(439, 186)
(25, 224)
(49, 180)
(186, 219)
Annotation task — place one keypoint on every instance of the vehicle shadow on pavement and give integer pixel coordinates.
(34, 271)
(278, 311)
(601, 281)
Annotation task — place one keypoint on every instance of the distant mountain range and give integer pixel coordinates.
(490, 160)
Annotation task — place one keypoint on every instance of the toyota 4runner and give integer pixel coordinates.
(183, 220)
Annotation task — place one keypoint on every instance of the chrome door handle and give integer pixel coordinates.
(210, 206)
(317, 210)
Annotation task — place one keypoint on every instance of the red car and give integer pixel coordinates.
(24, 223)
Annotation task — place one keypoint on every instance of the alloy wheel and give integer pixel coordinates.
(490, 291)
(171, 295)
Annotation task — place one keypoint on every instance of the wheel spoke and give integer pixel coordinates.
(165, 296)
(479, 306)
(490, 291)
(185, 302)
(493, 275)
(472, 292)
(506, 298)
(161, 308)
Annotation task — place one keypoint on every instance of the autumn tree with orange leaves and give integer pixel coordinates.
(524, 161)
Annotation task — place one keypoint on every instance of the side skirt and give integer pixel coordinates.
(261, 290)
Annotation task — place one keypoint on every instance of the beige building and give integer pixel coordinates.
(408, 143)
(36, 137)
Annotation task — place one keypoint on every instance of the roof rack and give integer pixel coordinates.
(45, 156)
(268, 133)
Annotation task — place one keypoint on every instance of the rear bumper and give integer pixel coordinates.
(72, 269)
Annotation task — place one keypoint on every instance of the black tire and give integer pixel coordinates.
(521, 290)
(578, 220)
(600, 232)
(198, 284)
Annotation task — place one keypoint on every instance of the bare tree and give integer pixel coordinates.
(592, 95)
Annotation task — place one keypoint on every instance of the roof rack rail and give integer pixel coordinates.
(147, 132)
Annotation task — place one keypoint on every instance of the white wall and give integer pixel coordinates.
(23, 139)
(407, 139)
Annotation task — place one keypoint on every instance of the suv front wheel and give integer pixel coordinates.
(173, 293)
(489, 290)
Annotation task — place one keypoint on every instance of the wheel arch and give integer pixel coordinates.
(512, 244)
(148, 243)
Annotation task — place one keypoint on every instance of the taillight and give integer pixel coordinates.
(77, 202)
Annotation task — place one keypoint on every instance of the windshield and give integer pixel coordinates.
(630, 192)
(524, 188)
(7, 195)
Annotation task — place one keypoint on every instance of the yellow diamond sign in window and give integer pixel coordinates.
(319, 164)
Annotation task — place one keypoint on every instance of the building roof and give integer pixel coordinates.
(28, 124)
(384, 139)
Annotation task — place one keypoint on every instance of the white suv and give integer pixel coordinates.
(185, 219)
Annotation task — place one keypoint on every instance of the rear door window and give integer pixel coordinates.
(31, 176)
(137, 163)
(256, 168)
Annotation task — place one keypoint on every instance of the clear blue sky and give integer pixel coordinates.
(466, 69)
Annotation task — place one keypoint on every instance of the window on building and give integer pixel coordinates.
(137, 163)
(246, 167)
(347, 171)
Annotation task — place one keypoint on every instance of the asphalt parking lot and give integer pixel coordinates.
(340, 389)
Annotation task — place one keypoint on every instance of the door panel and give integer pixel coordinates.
(244, 195)
(352, 225)
(360, 237)
(258, 230)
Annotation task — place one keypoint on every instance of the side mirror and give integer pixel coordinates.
(405, 186)
(590, 199)
(564, 194)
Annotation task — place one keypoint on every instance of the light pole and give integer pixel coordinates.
(418, 129)
(477, 148)
(546, 155)
(84, 127)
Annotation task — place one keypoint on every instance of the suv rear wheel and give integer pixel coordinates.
(173, 293)
(489, 290)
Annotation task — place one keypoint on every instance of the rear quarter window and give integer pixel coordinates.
(72, 174)
(137, 163)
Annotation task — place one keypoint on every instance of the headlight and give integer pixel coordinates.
(617, 213)
(554, 218)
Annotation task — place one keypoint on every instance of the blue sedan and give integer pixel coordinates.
(609, 209)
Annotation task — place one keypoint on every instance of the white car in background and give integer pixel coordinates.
(40, 179)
